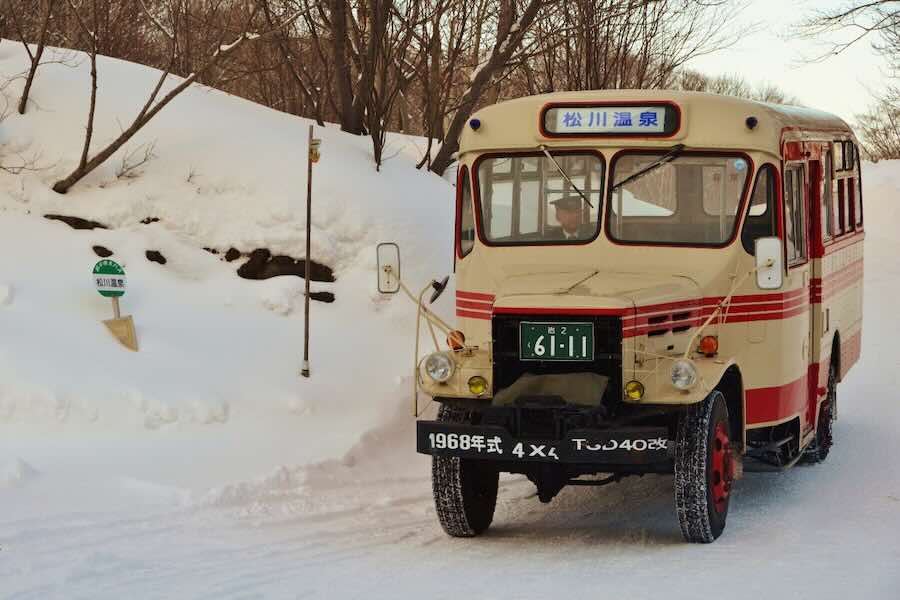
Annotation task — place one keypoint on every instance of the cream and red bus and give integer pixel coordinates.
(647, 282)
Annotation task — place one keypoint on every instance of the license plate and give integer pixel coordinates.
(632, 445)
(556, 341)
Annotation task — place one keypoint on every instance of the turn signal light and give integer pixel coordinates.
(477, 385)
(634, 390)
(709, 345)
(456, 340)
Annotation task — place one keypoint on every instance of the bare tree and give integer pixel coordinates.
(156, 101)
(862, 19)
(509, 36)
(879, 128)
(731, 85)
(46, 8)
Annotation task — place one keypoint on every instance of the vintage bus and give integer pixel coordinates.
(647, 282)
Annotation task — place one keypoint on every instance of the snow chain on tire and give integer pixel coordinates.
(818, 450)
(700, 523)
(465, 491)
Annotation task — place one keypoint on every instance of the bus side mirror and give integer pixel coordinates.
(388, 268)
(769, 255)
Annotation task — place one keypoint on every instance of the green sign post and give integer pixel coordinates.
(110, 281)
(109, 278)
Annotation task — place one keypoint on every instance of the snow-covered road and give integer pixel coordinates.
(366, 527)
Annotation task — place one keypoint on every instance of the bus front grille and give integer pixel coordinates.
(508, 368)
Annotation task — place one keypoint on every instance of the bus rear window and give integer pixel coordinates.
(535, 199)
(692, 199)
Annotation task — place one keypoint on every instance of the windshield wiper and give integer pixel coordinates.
(673, 153)
(565, 175)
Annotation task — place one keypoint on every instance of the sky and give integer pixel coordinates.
(841, 84)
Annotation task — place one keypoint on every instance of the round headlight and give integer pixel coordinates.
(684, 374)
(439, 367)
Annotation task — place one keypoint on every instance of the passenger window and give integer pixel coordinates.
(838, 148)
(760, 220)
(842, 206)
(848, 156)
(466, 215)
(857, 206)
(827, 205)
(794, 215)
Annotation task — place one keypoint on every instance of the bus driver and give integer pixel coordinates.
(569, 213)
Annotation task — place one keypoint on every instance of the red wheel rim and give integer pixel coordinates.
(722, 472)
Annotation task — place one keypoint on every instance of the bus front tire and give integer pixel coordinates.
(704, 469)
(465, 491)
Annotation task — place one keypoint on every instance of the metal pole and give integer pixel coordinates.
(305, 368)
(116, 313)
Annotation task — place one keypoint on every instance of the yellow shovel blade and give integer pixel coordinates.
(123, 329)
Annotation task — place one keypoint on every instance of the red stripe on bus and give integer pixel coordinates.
(507, 310)
(778, 402)
(475, 296)
(477, 305)
(473, 315)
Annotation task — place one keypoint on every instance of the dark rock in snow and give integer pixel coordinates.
(149, 220)
(211, 250)
(327, 297)
(262, 265)
(102, 251)
(155, 256)
(232, 254)
(253, 268)
(76, 222)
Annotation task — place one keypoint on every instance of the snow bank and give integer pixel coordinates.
(216, 352)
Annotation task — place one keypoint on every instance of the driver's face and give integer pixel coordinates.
(568, 218)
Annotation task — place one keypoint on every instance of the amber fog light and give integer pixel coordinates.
(477, 385)
(456, 340)
(634, 390)
(709, 346)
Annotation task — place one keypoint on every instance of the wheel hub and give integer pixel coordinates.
(722, 472)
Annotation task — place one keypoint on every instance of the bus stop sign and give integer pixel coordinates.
(109, 279)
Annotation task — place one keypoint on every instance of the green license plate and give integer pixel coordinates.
(556, 341)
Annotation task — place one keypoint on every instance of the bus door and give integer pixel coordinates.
(820, 227)
(796, 311)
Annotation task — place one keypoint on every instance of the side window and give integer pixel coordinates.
(761, 213)
(794, 215)
(838, 148)
(842, 206)
(857, 206)
(466, 214)
(849, 155)
(827, 208)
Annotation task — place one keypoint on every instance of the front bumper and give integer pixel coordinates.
(615, 447)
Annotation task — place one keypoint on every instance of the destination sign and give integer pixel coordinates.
(611, 120)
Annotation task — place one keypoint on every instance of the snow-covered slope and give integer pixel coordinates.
(204, 467)
(220, 355)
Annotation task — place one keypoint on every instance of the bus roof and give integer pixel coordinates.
(706, 121)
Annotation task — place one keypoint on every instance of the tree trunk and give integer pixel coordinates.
(350, 114)
(46, 7)
(501, 54)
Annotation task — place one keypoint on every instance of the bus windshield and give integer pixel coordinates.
(693, 199)
(525, 199)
